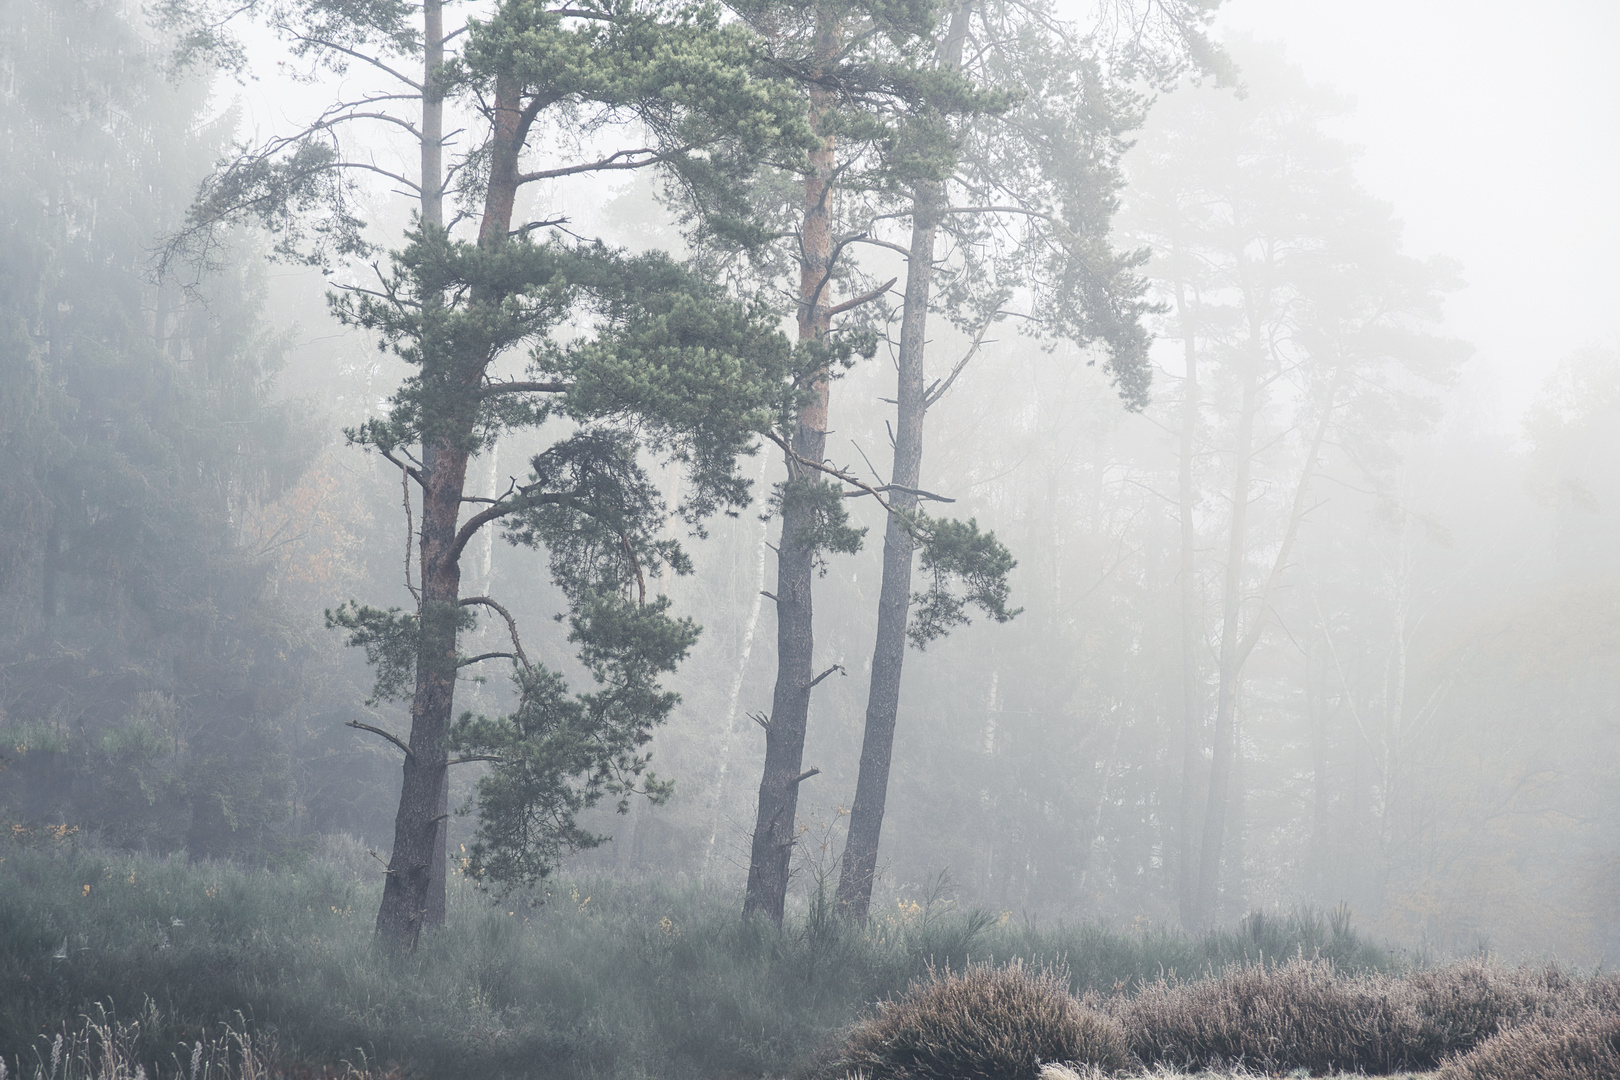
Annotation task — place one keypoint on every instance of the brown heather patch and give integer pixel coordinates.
(1579, 1045)
(1305, 1015)
(986, 1023)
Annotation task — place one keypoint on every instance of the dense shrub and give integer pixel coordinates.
(986, 1023)
(1583, 1044)
(1297, 1015)
(1307, 1015)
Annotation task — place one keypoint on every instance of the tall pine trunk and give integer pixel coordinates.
(856, 875)
(414, 892)
(859, 867)
(771, 857)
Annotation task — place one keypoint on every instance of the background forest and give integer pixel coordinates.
(1311, 627)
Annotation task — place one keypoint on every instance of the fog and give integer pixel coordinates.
(1314, 503)
(1449, 98)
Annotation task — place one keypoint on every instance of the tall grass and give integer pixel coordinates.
(604, 979)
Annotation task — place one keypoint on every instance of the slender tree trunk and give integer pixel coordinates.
(770, 860)
(859, 867)
(1220, 772)
(414, 891)
(433, 215)
(894, 598)
(1317, 717)
(1236, 644)
(53, 558)
(733, 700)
(1192, 705)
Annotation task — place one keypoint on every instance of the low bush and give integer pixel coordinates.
(1307, 1015)
(986, 1023)
(1301, 1015)
(1580, 1045)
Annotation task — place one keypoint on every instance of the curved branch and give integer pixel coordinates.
(487, 656)
(511, 624)
(883, 244)
(484, 517)
(612, 161)
(864, 298)
(395, 739)
(372, 60)
(837, 474)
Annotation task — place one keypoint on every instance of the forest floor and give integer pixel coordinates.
(602, 979)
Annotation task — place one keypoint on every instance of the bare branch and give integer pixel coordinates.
(484, 517)
(511, 623)
(410, 526)
(487, 656)
(836, 667)
(938, 390)
(864, 298)
(474, 757)
(612, 161)
(883, 244)
(395, 739)
(807, 774)
(837, 474)
(335, 47)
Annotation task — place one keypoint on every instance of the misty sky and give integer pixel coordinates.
(1494, 128)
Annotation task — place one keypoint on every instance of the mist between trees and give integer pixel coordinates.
(1206, 588)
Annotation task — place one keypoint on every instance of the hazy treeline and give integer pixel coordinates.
(1316, 625)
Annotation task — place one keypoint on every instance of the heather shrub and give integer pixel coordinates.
(1465, 1003)
(1307, 1015)
(985, 1023)
(1299, 1015)
(1583, 1044)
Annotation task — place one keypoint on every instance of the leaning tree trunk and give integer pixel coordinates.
(771, 857)
(894, 599)
(855, 877)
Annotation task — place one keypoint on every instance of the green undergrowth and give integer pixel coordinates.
(605, 979)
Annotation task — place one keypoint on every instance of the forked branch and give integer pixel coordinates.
(511, 624)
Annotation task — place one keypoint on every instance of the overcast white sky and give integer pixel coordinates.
(1494, 129)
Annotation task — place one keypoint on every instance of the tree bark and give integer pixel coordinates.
(859, 868)
(409, 891)
(771, 857)
(414, 891)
